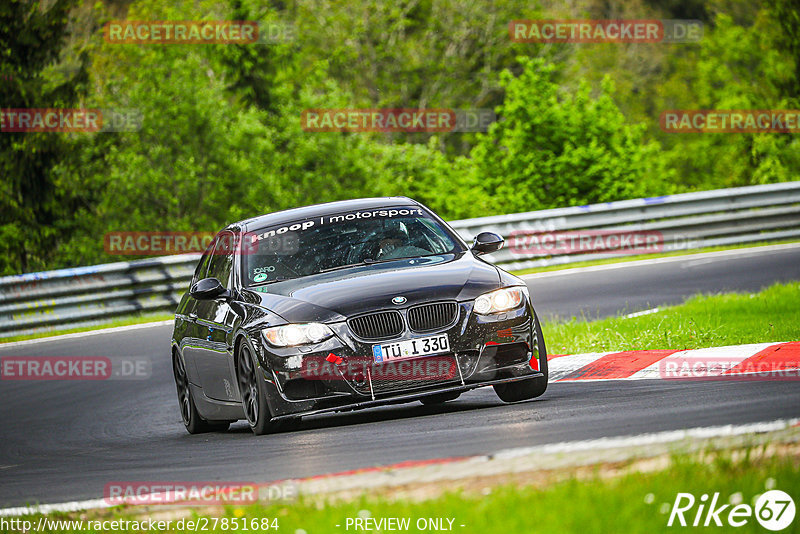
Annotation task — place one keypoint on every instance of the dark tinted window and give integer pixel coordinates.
(221, 261)
(202, 266)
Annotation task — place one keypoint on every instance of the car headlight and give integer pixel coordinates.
(500, 300)
(297, 334)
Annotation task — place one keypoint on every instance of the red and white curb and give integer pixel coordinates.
(767, 361)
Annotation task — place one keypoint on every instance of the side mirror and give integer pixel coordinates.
(208, 289)
(486, 243)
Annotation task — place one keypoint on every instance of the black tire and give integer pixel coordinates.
(531, 387)
(440, 398)
(254, 392)
(191, 418)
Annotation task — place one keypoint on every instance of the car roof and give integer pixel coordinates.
(318, 210)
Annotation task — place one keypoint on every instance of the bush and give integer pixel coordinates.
(551, 150)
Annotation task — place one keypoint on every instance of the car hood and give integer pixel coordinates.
(336, 295)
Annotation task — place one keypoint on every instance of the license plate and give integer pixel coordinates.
(411, 348)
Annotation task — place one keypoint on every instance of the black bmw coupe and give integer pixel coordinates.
(348, 305)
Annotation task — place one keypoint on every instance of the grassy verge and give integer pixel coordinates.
(623, 258)
(631, 504)
(702, 321)
(607, 498)
(122, 321)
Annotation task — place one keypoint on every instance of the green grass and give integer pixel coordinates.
(587, 506)
(581, 506)
(701, 321)
(624, 258)
(122, 321)
(593, 503)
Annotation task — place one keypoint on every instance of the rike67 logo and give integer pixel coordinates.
(774, 510)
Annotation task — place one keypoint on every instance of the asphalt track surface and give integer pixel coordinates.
(65, 440)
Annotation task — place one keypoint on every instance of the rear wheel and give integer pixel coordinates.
(531, 387)
(191, 418)
(254, 393)
(440, 398)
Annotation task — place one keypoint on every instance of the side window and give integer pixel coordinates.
(221, 261)
(202, 266)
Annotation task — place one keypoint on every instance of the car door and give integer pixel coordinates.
(214, 358)
(193, 337)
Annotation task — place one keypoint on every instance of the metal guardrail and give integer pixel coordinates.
(37, 302)
(687, 221)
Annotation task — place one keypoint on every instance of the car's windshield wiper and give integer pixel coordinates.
(345, 266)
(366, 261)
(370, 261)
(384, 260)
(278, 279)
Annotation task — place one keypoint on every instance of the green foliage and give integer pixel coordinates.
(734, 67)
(416, 53)
(222, 137)
(786, 15)
(31, 203)
(552, 149)
(217, 145)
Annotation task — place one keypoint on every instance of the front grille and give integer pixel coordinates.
(410, 374)
(429, 317)
(381, 325)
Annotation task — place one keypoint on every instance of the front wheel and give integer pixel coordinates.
(531, 387)
(254, 393)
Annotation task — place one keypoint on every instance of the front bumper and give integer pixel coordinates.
(484, 350)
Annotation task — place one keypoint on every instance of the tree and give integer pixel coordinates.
(550, 149)
(32, 39)
(786, 13)
(734, 67)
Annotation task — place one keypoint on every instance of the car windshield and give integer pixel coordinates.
(337, 241)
